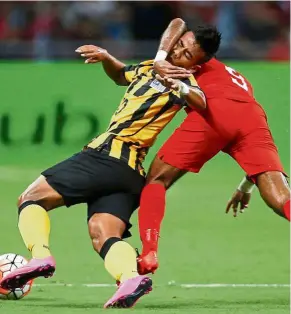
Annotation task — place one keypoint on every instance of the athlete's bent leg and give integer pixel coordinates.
(119, 257)
(34, 226)
(152, 209)
(275, 192)
(34, 222)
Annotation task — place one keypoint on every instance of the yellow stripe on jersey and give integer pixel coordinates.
(132, 160)
(146, 108)
(116, 147)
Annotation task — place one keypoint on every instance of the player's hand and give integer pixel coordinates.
(165, 68)
(169, 82)
(92, 54)
(239, 201)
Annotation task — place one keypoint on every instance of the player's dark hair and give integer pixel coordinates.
(209, 39)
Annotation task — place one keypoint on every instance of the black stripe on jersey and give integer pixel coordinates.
(178, 101)
(166, 107)
(108, 144)
(143, 89)
(142, 66)
(132, 85)
(128, 68)
(138, 75)
(138, 114)
(187, 81)
(125, 152)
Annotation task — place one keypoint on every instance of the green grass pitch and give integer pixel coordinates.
(199, 244)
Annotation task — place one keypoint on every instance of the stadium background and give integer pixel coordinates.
(51, 103)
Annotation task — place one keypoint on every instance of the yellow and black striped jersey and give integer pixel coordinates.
(146, 108)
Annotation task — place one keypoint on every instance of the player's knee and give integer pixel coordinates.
(26, 198)
(162, 179)
(22, 199)
(165, 176)
(156, 181)
(19, 201)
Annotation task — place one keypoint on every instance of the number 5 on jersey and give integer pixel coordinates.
(237, 78)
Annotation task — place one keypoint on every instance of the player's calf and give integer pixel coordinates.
(119, 257)
(152, 209)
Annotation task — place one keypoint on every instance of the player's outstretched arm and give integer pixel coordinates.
(174, 31)
(193, 95)
(112, 66)
(241, 197)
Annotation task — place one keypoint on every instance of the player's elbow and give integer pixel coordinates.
(120, 81)
(199, 104)
(179, 22)
(203, 104)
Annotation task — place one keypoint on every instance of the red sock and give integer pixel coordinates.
(287, 210)
(150, 215)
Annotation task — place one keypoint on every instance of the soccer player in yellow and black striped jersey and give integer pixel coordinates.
(108, 175)
(146, 108)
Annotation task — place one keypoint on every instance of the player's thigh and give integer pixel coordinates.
(42, 193)
(91, 175)
(256, 151)
(192, 144)
(274, 189)
(109, 215)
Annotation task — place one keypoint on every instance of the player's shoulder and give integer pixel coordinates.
(215, 64)
(147, 63)
(209, 70)
(144, 66)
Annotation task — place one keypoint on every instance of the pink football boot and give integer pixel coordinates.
(36, 267)
(129, 292)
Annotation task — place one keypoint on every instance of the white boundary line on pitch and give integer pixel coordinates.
(189, 285)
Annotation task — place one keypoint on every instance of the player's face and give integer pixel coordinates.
(187, 52)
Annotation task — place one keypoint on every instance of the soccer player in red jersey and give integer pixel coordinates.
(234, 122)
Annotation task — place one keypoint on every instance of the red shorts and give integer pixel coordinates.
(239, 129)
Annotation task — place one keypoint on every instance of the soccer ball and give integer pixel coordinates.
(8, 263)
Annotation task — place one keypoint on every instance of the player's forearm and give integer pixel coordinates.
(195, 98)
(193, 95)
(174, 31)
(114, 69)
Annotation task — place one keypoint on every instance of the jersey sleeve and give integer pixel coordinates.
(129, 72)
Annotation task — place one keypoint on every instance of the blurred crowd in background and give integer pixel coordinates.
(53, 30)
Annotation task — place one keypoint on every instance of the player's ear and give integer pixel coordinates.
(194, 69)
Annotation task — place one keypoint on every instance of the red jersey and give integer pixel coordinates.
(217, 80)
(233, 123)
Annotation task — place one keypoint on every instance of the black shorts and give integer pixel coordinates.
(106, 184)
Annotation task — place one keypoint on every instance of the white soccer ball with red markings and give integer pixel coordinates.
(8, 263)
